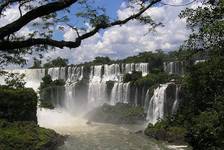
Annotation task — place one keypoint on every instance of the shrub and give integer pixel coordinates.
(27, 136)
(163, 131)
(135, 75)
(206, 131)
(18, 104)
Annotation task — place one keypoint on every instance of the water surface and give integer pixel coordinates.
(96, 136)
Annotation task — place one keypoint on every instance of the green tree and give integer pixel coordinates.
(36, 63)
(58, 62)
(207, 25)
(15, 80)
(102, 60)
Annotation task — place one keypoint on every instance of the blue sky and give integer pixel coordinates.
(111, 7)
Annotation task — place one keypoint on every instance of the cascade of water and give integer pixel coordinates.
(175, 104)
(54, 73)
(69, 100)
(147, 98)
(136, 96)
(156, 104)
(120, 93)
(127, 91)
(111, 72)
(74, 74)
(129, 68)
(97, 84)
(143, 67)
(97, 89)
(114, 97)
(173, 67)
(33, 77)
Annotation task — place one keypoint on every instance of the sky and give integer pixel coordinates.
(120, 41)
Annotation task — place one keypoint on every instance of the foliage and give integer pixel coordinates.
(204, 84)
(155, 60)
(36, 63)
(163, 131)
(58, 62)
(27, 135)
(18, 104)
(101, 60)
(47, 82)
(153, 78)
(118, 114)
(207, 26)
(202, 107)
(49, 88)
(15, 80)
(46, 104)
(135, 75)
(204, 97)
(206, 131)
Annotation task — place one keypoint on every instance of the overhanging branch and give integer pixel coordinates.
(33, 14)
(10, 45)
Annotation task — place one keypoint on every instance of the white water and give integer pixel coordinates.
(96, 136)
(175, 67)
(156, 104)
(120, 93)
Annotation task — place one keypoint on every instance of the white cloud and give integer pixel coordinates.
(133, 37)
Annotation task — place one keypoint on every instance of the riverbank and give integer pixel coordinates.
(27, 135)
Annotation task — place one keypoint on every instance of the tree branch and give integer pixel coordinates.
(33, 14)
(10, 45)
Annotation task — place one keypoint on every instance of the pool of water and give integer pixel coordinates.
(97, 136)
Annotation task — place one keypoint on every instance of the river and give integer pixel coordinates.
(97, 136)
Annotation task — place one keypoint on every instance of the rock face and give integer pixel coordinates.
(18, 104)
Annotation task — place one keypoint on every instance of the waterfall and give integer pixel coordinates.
(143, 67)
(74, 74)
(127, 91)
(112, 72)
(97, 87)
(175, 67)
(162, 102)
(69, 100)
(88, 87)
(54, 73)
(96, 83)
(156, 104)
(120, 93)
(136, 96)
(129, 68)
(175, 104)
(147, 98)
